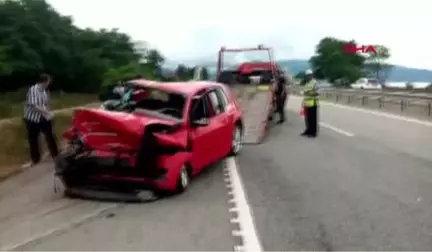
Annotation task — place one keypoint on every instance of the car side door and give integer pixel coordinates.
(228, 114)
(220, 124)
(201, 133)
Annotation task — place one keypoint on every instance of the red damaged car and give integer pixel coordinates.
(157, 137)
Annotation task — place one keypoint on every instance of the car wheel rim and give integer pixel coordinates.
(237, 140)
(184, 178)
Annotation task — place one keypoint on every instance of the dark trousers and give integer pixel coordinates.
(33, 131)
(280, 100)
(311, 121)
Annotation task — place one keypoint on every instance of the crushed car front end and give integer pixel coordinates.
(122, 152)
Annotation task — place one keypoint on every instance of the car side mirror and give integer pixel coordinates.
(200, 123)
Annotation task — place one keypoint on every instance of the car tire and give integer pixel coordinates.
(183, 180)
(237, 140)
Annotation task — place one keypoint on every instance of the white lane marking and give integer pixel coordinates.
(66, 226)
(378, 113)
(340, 131)
(245, 220)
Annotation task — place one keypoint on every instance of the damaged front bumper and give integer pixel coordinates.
(106, 171)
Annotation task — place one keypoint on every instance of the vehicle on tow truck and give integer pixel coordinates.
(156, 139)
(253, 81)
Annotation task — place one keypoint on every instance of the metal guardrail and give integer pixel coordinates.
(385, 91)
(405, 102)
(379, 93)
(418, 104)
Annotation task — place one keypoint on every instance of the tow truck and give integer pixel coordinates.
(253, 83)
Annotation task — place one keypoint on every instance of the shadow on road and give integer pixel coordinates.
(136, 197)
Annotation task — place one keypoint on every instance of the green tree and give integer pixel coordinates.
(4, 67)
(181, 72)
(300, 75)
(332, 63)
(154, 58)
(205, 73)
(375, 65)
(34, 38)
(184, 73)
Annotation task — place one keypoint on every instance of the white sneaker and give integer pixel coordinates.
(58, 185)
(27, 165)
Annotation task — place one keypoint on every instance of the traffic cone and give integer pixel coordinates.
(302, 111)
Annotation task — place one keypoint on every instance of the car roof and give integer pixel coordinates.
(186, 87)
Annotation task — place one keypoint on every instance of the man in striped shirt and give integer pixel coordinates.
(38, 118)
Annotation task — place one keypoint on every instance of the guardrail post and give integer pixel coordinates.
(405, 100)
(430, 108)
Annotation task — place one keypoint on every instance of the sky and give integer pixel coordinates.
(192, 29)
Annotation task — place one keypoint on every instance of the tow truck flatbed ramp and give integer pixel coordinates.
(252, 83)
(254, 104)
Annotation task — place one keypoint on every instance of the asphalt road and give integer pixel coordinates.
(364, 184)
(32, 217)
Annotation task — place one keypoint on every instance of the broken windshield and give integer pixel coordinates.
(159, 101)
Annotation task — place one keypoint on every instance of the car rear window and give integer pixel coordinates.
(222, 96)
(216, 103)
(161, 101)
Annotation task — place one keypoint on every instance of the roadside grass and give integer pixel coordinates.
(12, 103)
(14, 145)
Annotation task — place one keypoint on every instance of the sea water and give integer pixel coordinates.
(403, 84)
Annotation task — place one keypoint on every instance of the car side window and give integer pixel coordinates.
(199, 109)
(216, 103)
(223, 98)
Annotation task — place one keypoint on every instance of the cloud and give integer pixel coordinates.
(197, 29)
